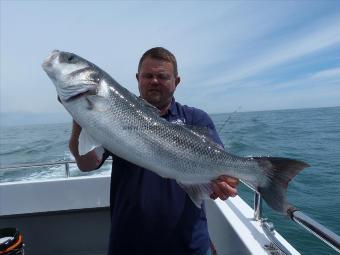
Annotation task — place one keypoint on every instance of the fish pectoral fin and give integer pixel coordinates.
(87, 143)
(197, 192)
(97, 103)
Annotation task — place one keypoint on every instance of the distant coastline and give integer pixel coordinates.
(9, 119)
(287, 109)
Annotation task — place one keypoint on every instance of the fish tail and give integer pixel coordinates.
(279, 172)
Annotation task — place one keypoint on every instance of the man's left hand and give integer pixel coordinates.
(224, 187)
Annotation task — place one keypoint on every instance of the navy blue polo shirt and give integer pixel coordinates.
(151, 214)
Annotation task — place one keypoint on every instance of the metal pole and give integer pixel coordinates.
(320, 231)
(257, 206)
(67, 169)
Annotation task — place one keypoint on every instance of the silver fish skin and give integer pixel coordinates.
(132, 129)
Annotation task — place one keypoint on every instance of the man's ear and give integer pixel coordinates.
(177, 80)
(137, 77)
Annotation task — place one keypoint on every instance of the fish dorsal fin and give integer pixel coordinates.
(203, 133)
(86, 143)
(149, 106)
(200, 131)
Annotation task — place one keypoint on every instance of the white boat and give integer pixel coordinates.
(70, 215)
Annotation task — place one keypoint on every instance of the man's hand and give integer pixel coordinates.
(224, 187)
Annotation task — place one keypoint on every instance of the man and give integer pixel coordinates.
(151, 214)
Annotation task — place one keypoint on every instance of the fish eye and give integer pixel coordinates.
(70, 58)
(66, 57)
(95, 77)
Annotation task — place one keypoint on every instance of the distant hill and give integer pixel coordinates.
(29, 118)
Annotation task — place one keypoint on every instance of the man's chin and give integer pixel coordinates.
(155, 101)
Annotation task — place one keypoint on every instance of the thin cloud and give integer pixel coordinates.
(323, 35)
(227, 51)
(327, 74)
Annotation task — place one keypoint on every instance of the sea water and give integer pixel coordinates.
(311, 135)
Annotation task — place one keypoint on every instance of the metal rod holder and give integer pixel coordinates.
(257, 206)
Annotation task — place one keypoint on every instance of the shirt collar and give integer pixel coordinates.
(173, 108)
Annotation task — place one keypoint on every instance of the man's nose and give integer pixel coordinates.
(154, 80)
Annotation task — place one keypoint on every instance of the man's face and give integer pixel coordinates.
(157, 82)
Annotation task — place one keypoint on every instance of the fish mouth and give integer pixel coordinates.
(48, 61)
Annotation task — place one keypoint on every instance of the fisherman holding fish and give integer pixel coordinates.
(151, 214)
(167, 157)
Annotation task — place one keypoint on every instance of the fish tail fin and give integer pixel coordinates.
(279, 172)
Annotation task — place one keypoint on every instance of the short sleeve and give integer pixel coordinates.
(106, 154)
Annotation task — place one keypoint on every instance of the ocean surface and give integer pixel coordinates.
(311, 135)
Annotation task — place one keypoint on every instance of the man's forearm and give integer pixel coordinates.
(90, 160)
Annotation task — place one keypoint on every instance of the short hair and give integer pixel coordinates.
(160, 53)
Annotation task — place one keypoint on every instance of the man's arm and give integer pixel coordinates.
(90, 160)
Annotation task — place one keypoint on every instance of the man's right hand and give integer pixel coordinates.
(224, 187)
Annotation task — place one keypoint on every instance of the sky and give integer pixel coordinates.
(232, 55)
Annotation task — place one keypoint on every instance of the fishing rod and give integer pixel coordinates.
(228, 119)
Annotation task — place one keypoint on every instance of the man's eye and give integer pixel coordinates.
(163, 76)
(160, 76)
(147, 75)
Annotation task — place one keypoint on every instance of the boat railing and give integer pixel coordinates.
(320, 231)
(66, 164)
(323, 233)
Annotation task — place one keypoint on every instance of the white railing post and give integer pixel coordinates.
(67, 169)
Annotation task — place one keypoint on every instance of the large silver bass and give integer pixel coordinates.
(132, 129)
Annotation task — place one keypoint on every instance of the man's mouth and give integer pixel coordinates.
(154, 90)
